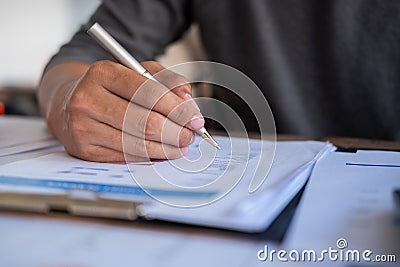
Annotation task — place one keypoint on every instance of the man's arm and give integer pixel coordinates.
(84, 98)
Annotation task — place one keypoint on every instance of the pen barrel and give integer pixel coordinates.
(116, 50)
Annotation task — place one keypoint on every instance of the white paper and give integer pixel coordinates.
(252, 212)
(238, 210)
(19, 135)
(350, 196)
(40, 241)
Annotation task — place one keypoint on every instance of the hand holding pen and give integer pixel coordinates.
(85, 107)
(118, 52)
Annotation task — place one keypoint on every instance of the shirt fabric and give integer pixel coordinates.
(327, 68)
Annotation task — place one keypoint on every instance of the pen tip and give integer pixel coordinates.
(206, 136)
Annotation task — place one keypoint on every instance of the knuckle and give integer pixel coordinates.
(77, 101)
(159, 151)
(172, 153)
(136, 147)
(154, 125)
(81, 150)
(149, 149)
(176, 81)
(186, 88)
(99, 68)
(149, 63)
(179, 81)
(76, 130)
(183, 113)
(185, 137)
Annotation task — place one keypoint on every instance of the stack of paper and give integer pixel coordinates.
(244, 186)
(193, 182)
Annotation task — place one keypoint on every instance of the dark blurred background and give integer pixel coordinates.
(32, 31)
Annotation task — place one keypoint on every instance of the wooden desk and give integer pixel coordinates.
(363, 143)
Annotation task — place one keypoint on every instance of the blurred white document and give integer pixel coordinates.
(349, 202)
(20, 135)
(250, 212)
(216, 180)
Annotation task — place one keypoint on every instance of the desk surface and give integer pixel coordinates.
(62, 240)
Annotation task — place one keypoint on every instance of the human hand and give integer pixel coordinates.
(87, 112)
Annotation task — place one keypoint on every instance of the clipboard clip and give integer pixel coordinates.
(75, 202)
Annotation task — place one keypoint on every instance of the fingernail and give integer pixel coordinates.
(188, 96)
(184, 150)
(197, 123)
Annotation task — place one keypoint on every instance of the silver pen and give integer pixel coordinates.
(105, 40)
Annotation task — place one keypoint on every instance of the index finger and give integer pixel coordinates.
(176, 83)
(152, 95)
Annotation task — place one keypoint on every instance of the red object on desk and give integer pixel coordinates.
(2, 109)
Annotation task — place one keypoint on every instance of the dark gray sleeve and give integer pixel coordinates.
(143, 27)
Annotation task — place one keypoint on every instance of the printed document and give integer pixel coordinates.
(207, 187)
